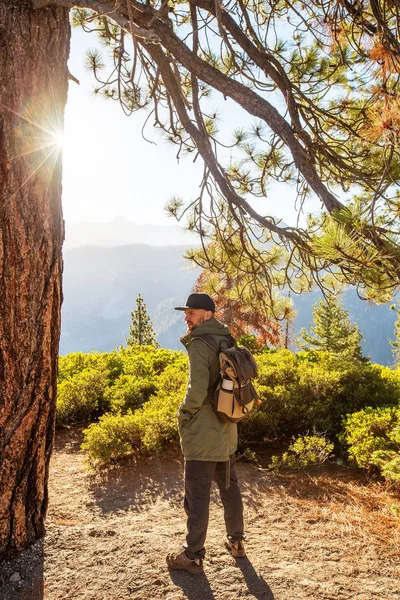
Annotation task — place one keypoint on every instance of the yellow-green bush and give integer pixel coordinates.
(149, 430)
(114, 436)
(388, 461)
(368, 431)
(81, 397)
(129, 392)
(158, 422)
(313, 391)
(143, 386)
(373, 440)
(147, 361)
(303, 452)
(74, 363)
(127, 378)
(171, 380)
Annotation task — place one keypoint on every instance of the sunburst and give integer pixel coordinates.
(38, 138)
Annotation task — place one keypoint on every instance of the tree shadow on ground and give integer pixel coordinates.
(138, 486)
(131, 485)
(22, 577)
(68, 440)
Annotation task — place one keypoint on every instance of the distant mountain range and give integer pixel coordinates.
(100, 290)
(121, 231)
(102, 282)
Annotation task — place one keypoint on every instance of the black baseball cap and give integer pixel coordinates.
(198, 300)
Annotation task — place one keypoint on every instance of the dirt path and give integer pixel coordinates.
(319, 536)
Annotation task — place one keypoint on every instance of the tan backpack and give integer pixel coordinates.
(234, 396)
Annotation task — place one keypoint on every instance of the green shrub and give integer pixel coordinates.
(260, 425)
(125, 380)
(173, 378)
(303, 452)
(164, 358)
(74, 363)
(115, 365)
(114, 436)
(313, 391)
(158, 423)
(388, 462)
(248, 455)
(149, 430)
(369, 385)
(128, 393)
(81, 397)
(308, 391)
(147, 361)
(249, 341)
(373, 440)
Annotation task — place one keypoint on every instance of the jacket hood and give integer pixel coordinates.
(212, 326)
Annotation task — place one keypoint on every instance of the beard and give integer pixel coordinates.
(192, 325)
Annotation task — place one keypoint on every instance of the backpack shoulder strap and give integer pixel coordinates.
(208, 339)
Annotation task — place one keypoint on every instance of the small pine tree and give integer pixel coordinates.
(332, 331)
(395, 344)
(141, 331)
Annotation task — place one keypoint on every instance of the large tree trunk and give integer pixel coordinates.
(34, 47)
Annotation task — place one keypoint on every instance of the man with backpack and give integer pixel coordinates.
(208, 444)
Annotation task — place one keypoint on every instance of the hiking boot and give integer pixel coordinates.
(182, 562)
(236, 548)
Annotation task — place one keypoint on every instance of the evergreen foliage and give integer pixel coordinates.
(141, 331)
(115, 382)
(241, 301)
(332, 66)
(81, 397)
(129, 392)
(249, 341)
(151, 429)
(332, 331)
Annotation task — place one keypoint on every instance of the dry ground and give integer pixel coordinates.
(316, 536)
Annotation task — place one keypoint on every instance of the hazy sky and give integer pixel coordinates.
(110, 170)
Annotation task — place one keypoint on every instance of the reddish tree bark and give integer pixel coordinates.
(34, 47)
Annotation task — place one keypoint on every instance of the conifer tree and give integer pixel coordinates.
(141, 331)
(318, 86)
(241, 302)
(332, 331)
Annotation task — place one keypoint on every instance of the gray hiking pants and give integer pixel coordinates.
(198, 479)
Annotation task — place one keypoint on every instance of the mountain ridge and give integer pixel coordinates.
(101, 285)
(121, 231)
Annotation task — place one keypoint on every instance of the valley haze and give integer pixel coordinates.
(106, 266)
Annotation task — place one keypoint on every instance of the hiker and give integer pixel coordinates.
(208, 444)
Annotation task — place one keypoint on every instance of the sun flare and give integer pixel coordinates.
(58, 138)
(38, 137)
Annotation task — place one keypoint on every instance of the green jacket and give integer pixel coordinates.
(203, 436)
